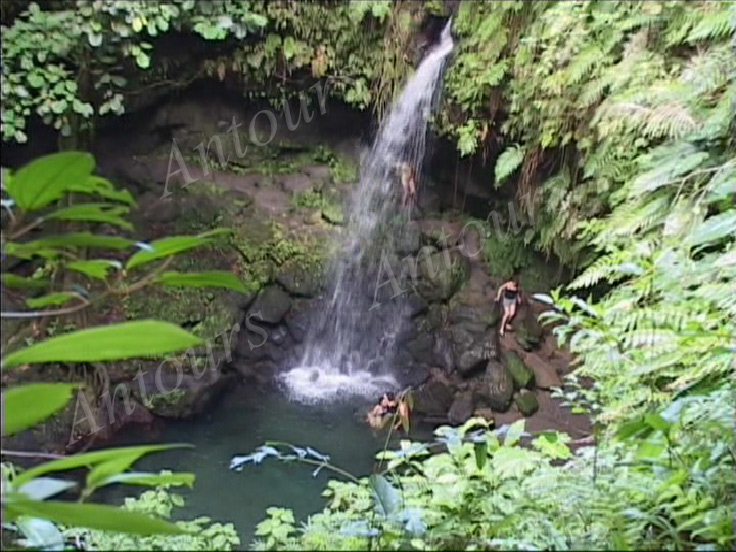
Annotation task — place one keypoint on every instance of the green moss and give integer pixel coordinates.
(527, 403)
(330, 210)
(342, 170)
(265, 250)
(159, 400)
(522, 375)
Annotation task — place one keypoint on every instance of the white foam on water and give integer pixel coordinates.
(318, 384)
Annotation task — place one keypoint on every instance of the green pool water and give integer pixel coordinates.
(243, 421)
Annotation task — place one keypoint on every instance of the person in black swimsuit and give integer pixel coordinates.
(511, 298)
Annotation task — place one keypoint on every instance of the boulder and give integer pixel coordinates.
(270, 306)
(497, 386)
(433, 398)
(473, 346)
(462, 408)
(300, 281)
(522, 375)
(545, 375)
(527, 403)
(411, 375)
(472, 360)
(528, 331)
(170, 393)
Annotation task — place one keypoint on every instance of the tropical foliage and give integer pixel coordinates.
(38, 196)
(104, 53)
(572, 94)
(617, 118)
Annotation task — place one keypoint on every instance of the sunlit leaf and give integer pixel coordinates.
(116, 341)
(214, 278)
(55, 299)
(166, 247)
(24, 406)
(94, 212)
(97, 268)
(93, 516)
(48, 178)
(12, 280)
(89, 459)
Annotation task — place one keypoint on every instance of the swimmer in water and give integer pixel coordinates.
(388, 405)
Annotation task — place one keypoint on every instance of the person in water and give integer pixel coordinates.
(511, 298)
(388, 405)
(408, 184)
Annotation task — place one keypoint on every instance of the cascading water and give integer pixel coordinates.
(350, 346)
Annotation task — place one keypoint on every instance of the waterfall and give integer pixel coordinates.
(350, 345)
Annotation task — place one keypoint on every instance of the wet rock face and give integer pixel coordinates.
(434, 398)
(497, 386)
(462, 408)
(299, 281)
(271, 305)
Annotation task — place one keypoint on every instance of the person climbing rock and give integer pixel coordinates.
(408, 184)
(511, 298)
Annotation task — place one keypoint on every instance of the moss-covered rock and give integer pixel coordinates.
(522, 375)
(527, 403)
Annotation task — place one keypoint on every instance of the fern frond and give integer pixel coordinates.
(716, 23)
(507, 163)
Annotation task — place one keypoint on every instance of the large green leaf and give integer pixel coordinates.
(90, 459)
(117, 341)
(216, 278)
(166, 247)
(66, 241)
(152, 479)
(55, 299)
(388, 500)
(102, 186)
(93, 516)
(47, 179)
(12, 280)
(42, 488)
(94, 212)
(23, 406)
(95, 268)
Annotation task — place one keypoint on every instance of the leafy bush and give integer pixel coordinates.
(201, 535)
(41, 192)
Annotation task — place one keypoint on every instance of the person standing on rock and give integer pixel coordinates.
(511, 298)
